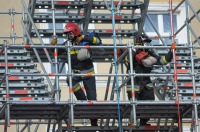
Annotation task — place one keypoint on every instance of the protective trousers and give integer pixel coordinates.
(144, 94)
(90, 89)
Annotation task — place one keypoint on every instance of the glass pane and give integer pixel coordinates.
(155, 41)
(148, 27)
(167, 23)
(168, 41)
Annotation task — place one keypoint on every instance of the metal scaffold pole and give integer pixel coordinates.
(55, 54)
(7, 112)
(174, 59)
(194, 122)
(12, 35)
(71, 100)
(133, 101)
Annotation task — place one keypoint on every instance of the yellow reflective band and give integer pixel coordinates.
(74, 51)
(136, 89)
(126, 59)
(92, 72)
(164, 60)
(130, 89)
(77, 88)
(94, 40)
(138, 44)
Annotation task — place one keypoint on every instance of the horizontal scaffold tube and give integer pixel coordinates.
(103, 102)
(72, 74)
(97, 47)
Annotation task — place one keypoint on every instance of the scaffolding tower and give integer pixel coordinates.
(31, 97)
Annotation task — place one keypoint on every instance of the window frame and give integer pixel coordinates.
(161, 8)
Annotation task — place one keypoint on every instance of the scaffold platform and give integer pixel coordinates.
(28, 94)
(95, 109)
(98, 110)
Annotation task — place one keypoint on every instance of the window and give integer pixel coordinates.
(155, 41)
(162, 24)
(148, 26)
(160, 17)
(167, 23)
(169, 41)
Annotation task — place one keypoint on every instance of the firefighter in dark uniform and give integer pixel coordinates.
(83, 66)
(143, 61)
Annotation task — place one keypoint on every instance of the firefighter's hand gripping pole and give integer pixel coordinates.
(54, 40)
(173, 46)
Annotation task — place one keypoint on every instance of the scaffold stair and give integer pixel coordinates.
(22, 88)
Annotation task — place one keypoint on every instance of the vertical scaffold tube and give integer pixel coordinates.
(7, 86)
(71, 112)
(133, 114)
(174, 58)
(115, 64)
(12, 35)
(24, 33)
(57, 97)
(194, 122)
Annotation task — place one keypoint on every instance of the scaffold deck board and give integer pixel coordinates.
(2, 71)
(116, 129)
(22, 85)
(126, 5)
(101, 18)
(60, 4)
(18, 65)
(26, 98)
(24, 78)
(49, 110)
(16, 58)
(17, 51)
(22, 92)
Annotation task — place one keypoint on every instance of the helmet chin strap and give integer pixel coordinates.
(72, 40)
(139, 44)
(67, 38)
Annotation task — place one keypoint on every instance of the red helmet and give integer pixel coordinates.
(72, 27)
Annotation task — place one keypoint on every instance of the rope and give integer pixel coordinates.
(116, 65)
